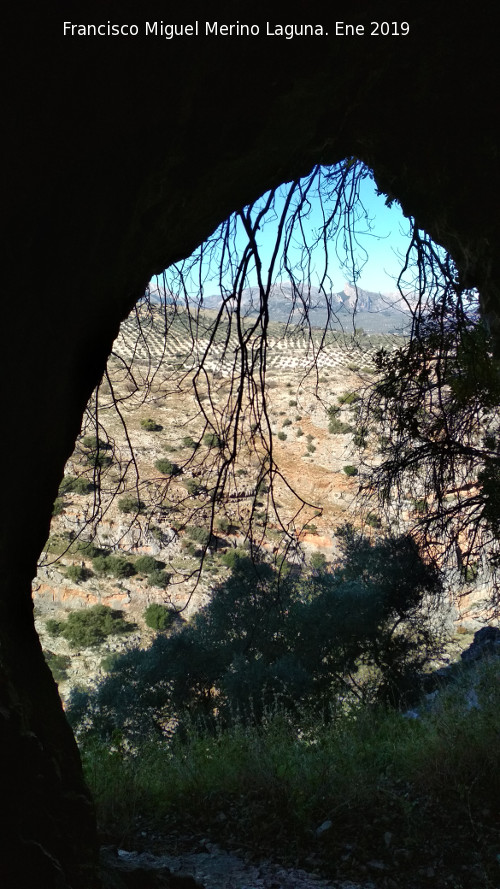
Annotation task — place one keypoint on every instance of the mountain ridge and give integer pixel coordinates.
(375, 312)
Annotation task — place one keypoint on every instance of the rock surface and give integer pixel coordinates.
(212, 868)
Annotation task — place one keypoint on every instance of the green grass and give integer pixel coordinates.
(414, 793)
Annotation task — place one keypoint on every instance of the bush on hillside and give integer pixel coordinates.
(159, 578)
(193, 487)
(322, 642)
(348, 398)
(95, 444)
(74, 485)
(337, 427)
(212, 440)
(77, 573)
(151, 425)
(166, 467)
(54, 627)
(158, 617)
(117, 566)
(87, 549)
(89, 627)
(318, 562)
(360, 438)
(373, 520)
(223, 524)
(58, 665)
(58, 506)
(198, 534)
(147, 564)
(130, 503)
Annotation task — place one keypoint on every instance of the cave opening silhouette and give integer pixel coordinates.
(120, 159)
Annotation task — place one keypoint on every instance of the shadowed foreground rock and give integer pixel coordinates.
(123, 870)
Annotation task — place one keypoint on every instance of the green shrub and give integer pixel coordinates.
(470, 572)
(54, 627)
(189, 547)
(147, 564)
(234, 558)
(58, 665)
(360, 438)
(337, 427)
(117, 566)
(74, 485)
(158, 617)
(353, 367)
(351, 471)
(286, 423)
(58, 506)
(292, 403)
(77, 573)
(300, 432)
(130, 503)
(99, 460)
(110, 661)
(348, 398)
(261, 639)
(282, 436)
(193, 487)
(121, 567)
(212, 440)
(373, 520)
(166, 467)
(198, 534)
(58, 543)
(102, 564)
(189, 442)
(151, 425)
(159, 578)
(95, 444)
(87, 549)
(317, 562)
(223, 524)
(311, 448)
(90, 627)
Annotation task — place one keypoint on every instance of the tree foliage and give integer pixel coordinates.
(89, 627)
(435, 409)
(360, 633)
(158, 617)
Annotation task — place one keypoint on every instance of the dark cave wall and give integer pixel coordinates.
(121, 158)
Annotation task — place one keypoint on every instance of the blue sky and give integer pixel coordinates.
(385, 239)
(392, 230)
